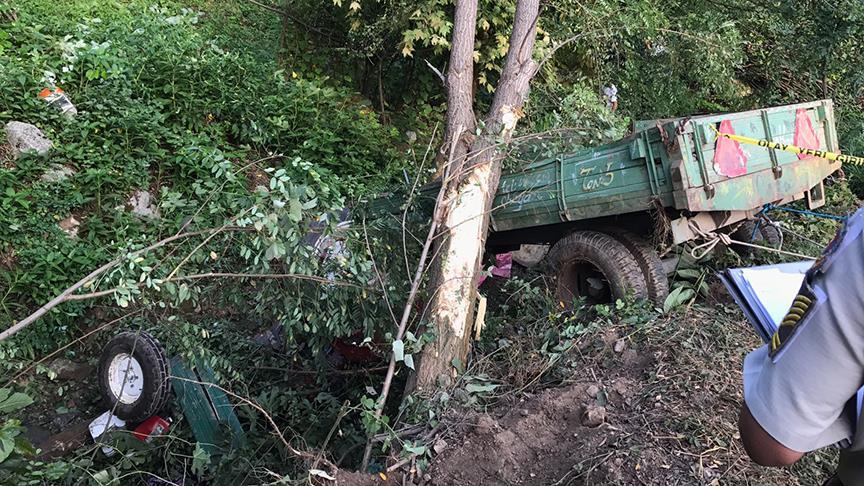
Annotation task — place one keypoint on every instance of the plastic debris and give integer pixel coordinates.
(105, 423)
(57, 98)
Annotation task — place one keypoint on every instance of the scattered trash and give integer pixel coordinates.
(104, 424)
(57, 98)
(153, 427)
(502, 268)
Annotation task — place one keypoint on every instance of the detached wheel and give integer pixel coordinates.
(649, 262)
(765, 235)
(133, 376)
(771, 235)
(597, 267)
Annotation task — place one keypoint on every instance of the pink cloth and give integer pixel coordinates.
(729, 158)
(503, 266)
(805, 136)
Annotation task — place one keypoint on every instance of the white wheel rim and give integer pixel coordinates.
(125, 368)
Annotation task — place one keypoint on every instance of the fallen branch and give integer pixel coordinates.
(200, 276)
(412, 295)
(63, 348)
(64, 296)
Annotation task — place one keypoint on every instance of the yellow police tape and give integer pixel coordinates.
(822, 154)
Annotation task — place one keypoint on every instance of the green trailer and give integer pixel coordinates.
(596, 210)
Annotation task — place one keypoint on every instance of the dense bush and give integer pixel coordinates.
(162, 107)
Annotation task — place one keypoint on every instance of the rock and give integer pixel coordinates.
(592, 391)
(439, 446)
(142, 204)
(57, 173)
(411, 136)
(485, 425)
(593, 416)
(70, 226)
(530, 255)
(24, 137)
(619, 346)
(524, 412)
(69, 370)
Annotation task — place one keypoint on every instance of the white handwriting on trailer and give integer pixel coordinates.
(517, 201)
(591, 183)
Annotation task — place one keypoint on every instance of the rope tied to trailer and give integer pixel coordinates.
(713, 239)
(804, 212)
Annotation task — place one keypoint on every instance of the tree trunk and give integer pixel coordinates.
(475, 170)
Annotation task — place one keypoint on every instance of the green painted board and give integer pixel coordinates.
(206, 408)
(670, 161)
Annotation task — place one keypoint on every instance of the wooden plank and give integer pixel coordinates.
(196, 407)
(224, 410)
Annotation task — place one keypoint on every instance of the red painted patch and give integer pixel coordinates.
(805, 135)
(729, 158)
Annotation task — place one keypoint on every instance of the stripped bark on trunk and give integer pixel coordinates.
(475, 169)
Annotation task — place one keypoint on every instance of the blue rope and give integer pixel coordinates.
(769, 207)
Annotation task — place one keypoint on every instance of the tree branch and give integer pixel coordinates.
(409, 303)
(208, 275)
(64, 296)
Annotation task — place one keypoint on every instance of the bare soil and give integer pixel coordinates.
(654, 405)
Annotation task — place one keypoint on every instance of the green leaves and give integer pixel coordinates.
(10, 402)
(200, 460)
(678, 297)
(688, 282)
(11, 429)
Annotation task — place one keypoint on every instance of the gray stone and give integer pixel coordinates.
(440, 446)
(619, 346)
(69, 370)
(143, 204)
(57, 173)
(24, 137)
(593, 391)
(63, 420)
(70, 226)
(593, 416)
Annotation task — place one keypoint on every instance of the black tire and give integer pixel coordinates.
(747, 233)
(583, 256)
(151, 357)
(649, 262)
(771, 235)
(766, 235)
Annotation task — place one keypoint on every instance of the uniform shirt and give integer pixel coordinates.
(798, 389)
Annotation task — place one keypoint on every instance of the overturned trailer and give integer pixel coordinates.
(599, 208)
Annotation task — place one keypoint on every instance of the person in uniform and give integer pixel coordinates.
(801, 390)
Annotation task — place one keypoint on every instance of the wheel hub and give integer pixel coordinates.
(125, 378)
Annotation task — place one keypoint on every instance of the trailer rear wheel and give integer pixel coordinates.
(650, 263)
(765, 235)
(597, 267)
